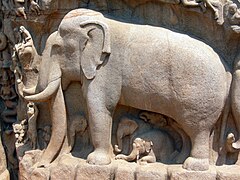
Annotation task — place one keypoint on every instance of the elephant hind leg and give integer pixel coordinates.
(199, 157)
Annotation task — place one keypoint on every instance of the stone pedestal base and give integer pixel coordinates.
(178, 173)
(68, 167)
(228, 172)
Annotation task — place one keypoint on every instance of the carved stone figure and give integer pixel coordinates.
(107, 57)
(78, 125)
(20, 9)
(20, 130)
(142, 152)
(231, 146)
(232, 14)
(182, 142)
(125, 127)
(15, 67)
(32, 114)
(214, 5)
(170, 144)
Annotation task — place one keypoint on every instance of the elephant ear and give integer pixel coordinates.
(148, 146)
(97, 46)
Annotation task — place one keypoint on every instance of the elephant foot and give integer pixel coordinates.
(99, 158)
(194, 164)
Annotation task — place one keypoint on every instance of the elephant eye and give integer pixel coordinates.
(56, 49)
(35, 70)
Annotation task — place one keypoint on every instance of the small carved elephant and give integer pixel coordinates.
(142, 152)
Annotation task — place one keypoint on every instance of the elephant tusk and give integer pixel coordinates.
(46, 93)
(30, 91)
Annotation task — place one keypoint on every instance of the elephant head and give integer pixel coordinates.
(126, 127)
(76, 48)
(73, 53)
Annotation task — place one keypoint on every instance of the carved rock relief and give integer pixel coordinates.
(89, 75)
(225, 14)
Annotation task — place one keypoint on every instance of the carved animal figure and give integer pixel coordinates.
(149, 68)
(232, 15)
(142, 152)
(126, 127)
(163, 143)
(78, 125)
(173, 128)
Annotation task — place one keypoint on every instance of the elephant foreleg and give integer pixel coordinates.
(100, 123)
(100, 128)
(59, 128)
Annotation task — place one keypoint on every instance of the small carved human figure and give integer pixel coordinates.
(15, 67)
(142, 152)
(233, 16)
(230, 145)
(32, 113)
(20, 9)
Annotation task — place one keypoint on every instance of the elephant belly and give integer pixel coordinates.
(184, 79)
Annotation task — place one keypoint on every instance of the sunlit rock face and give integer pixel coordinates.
(119, 89)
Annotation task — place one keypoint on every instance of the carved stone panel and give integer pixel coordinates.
(119, 89)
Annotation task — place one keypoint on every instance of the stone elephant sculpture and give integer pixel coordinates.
(126, 127)
(148, 68)
(142, 152)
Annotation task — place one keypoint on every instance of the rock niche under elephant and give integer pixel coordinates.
(119, 89)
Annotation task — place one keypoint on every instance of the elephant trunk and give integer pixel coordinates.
(134, 154)
(45, 95)
(58, 142)
(125, 128)
(118, 148)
